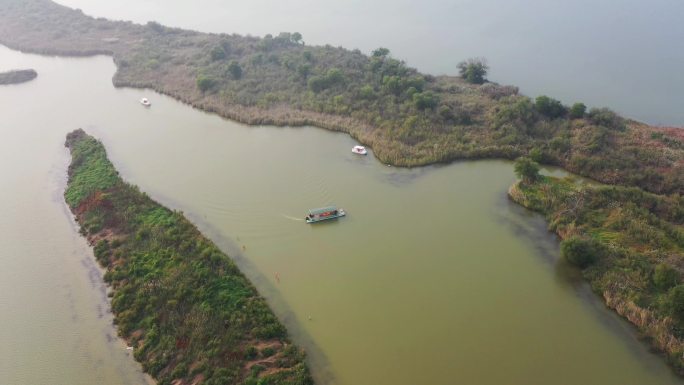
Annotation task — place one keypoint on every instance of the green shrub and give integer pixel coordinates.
(526, 169)
(319, 83)
(381, 52)
(676, 301)
(579, 251)
(217, 53)
(184, 299)
(607, 118)
(205, 83)
(577, 111)
(549, 107)
(473, 70)
(235, 69)
(665, 277)
(267, 351)
(367, 92)
(251, 353)
(425, 100)
(536, 155)
(101, 251)
(180, 371)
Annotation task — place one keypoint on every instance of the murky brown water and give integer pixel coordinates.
(434, 277)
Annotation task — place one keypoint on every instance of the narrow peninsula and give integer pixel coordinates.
(17, 76)
(190, 315)
(407, 117)
(629, 244)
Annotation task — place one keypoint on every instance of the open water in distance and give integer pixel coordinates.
(624, 54)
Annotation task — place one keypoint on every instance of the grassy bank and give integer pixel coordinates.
(190, 315)
(407, 117)
(17, 76)
(629, 244)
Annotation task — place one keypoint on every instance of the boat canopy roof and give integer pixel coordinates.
(322, 210)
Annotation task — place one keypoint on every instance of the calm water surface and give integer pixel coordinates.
(625, 54)
(434, 277)
(55, 325)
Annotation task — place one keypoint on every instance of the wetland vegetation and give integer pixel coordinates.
(629, 244)
(627, 237)
(180, 302)
(407, 117)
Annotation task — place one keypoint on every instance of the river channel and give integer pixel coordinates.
(434, 277)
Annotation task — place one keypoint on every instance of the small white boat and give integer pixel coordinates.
(145, 102)
(359, 150)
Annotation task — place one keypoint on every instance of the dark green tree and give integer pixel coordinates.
(577, 111)
(549, 107)
(381, 52)
(474, 70)
(334, 76)
(445, 112)
(579, 251)
(536, 154)
(304, 70)
(235, 69)
(317, 83)
(296, 37)
(676, 301)
(665, 277)
(527, 170)
(425, 100)
(218, 53)
(156, 27)
(205, 83)
(367, 92)
(393, 84)
(606, 118)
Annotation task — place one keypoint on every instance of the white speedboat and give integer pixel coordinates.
(359, 150)
(145, 102)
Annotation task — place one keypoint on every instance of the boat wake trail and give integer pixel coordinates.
(292, 218)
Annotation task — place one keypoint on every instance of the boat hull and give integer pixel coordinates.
(326, 218)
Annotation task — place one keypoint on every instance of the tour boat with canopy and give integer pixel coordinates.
(324, 213)
(145, 102)
(359, 150)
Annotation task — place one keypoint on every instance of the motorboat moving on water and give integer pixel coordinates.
(145, 102)
(359, 150)
(324, 213)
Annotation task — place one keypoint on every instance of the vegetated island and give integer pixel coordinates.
(629, 244)
(412, 119)
(188, 312)
(408, 118)
(17, 76)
